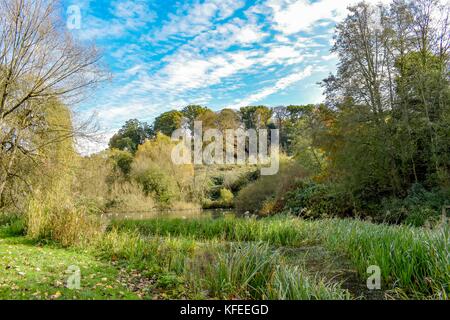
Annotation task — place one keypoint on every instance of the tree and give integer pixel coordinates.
(39, 63)
(191, 113)
(132, 134)
(155, 171)
(256, 117)
(391, 99)
(168, 122)
(228, 119)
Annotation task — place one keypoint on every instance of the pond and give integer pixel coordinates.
(183, 214)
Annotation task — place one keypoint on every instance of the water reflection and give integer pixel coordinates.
(183, 214)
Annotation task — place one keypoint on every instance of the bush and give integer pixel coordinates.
(155, 171)
(226, 197)
(417, 208)
(244, 180)
(254, 196)
(13, 227)
(225, 200)
(157, 183)
(312, 200)
(122, 161)
(55, 217)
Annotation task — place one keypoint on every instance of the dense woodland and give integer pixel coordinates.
(377, 149)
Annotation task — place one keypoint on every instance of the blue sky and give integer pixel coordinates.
(166, 54)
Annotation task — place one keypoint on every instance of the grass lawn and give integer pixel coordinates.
(29, 271)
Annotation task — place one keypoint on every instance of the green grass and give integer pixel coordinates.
(187, 268)
(414, 262)
(280, 232)
(33, 272)
(228, 258)
(257, 271)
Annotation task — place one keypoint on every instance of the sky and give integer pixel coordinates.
(166, 54)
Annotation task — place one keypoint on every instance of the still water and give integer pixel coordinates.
(183, 214)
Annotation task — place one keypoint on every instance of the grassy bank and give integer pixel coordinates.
(34, 272)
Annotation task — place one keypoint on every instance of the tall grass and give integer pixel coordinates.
(256, 271)
(416, 260)
(153, 254)
(53, 216)
(222, 270)
(292, 283)
(413, 261)
(281, 232)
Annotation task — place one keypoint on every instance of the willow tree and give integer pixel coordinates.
(40, 64)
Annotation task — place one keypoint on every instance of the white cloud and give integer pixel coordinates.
(281, 84)
(88, 146)
(128, 15)
(207, 53)
(195, 19)
(330, 57)
(134, 13)
(293, 16)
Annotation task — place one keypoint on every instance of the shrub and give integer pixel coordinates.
(243, 180)
(226, 196)
(157, 183)
(155, 171)
(417, 208)
(312, 200)
(53, 216)
(225, 200)
(122, 161)
(254, 196)
(13, 227)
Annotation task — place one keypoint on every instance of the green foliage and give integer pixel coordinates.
(225, 200)
(192, 113)
(154, 170)
(254, 117)
(293, 283)
(313, 200)
(244, 179)
(131, 135)
(168, 122)
(122, 161)
(276, 231)
(243, 272)
(157, 183)
(418, 208)
(226, 196)
(256, 271)
(389, 133)
(13, 227)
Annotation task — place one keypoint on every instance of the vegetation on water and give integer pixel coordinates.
(412, 260)
(364, 177)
